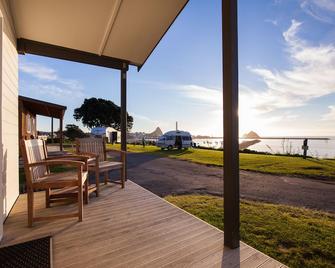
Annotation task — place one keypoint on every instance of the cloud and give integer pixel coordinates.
(274, 22)
(144, 118)
(38, 71)
(46, 81)
(55, 91)
(143, 123)
(330, 116)
(70, 83)
(321, 10)
(202, 95)
(257, 110)
(312, 75)
(325, 4)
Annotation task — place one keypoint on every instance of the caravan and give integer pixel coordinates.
(175, 139)
(112, 135)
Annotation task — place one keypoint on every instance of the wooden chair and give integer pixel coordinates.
(65, 193)
(97, 147)
(39, 177)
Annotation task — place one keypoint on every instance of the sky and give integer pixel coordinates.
(286, 73)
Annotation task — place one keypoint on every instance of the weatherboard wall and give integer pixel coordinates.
(9, 178)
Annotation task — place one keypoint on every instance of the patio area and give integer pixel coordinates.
(130, 227)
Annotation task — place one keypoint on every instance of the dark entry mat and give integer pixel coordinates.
(32, 254)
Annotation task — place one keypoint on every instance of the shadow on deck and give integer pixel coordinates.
(130, 227)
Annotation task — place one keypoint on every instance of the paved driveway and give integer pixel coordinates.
(165, 176)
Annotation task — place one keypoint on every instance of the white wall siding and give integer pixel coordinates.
(9, 178)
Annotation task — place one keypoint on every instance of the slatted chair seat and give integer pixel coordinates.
(64, 179)
(38, 177)
(97, 147)
(105, 166)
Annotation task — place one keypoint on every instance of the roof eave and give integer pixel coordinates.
(139, 67)
(43, 49)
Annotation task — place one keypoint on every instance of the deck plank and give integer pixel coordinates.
(271, 263)
(129, 227)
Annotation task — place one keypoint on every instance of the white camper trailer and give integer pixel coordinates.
(110, 133)
(175, 139)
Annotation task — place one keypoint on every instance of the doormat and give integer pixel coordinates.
(32, 254)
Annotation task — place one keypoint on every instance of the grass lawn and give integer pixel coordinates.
(285, 165)
(294, 236)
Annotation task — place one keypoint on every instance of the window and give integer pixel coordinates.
(169, 138)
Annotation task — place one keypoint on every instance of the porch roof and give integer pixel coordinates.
(106, 33)
(42, 107)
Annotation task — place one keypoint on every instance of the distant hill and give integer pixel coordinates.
(155, 134)
(251, 135)
(139, 135)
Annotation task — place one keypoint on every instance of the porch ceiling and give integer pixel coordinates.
(123, 29)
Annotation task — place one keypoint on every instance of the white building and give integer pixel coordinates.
(110, 133)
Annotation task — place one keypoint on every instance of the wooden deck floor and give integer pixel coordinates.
(130, 228)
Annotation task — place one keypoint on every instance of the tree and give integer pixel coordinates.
(101, 113)
(73, 132)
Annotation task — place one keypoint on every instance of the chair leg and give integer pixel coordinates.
(80, 203)
(30, 207)
(86, 192)
(106, 177)
(97, 181)
(47, 198)
(123, 174)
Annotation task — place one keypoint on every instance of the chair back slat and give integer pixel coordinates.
(92, 145)
(34, 151)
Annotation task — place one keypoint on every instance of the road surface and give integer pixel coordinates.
(165, 176)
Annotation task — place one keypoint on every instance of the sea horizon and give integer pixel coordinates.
(269, 137)
(319, 146)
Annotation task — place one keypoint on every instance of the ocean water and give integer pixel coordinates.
(317, 148)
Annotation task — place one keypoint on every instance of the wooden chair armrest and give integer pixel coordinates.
(89, 155)
(84, 157)
(72, 156)
(81, 166)
(57, 162)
